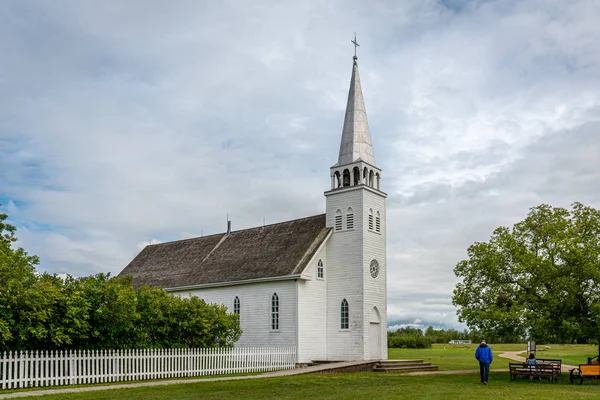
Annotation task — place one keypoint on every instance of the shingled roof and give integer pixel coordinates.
(271, 251)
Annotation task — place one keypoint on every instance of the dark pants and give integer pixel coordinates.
(484, 371)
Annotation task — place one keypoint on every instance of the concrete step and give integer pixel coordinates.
(400, 362)
(321, 362)
(403, 365)
(408, 368)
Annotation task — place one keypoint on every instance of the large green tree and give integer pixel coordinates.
(539, 279)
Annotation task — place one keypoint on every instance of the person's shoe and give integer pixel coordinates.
(485, 383)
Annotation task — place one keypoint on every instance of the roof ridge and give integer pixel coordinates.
(185, 240)
(282, 222)
(241, 230)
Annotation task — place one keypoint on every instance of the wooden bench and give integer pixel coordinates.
(543, 370)
(585, 371)
(555, 362)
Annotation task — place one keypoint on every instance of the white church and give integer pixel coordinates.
(316, 283)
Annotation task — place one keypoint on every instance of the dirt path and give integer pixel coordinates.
(514, 355)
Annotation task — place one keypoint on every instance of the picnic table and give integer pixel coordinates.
(543, 368)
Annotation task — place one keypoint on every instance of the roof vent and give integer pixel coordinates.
(228, 227)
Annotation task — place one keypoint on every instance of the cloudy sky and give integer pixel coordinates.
(137, 121)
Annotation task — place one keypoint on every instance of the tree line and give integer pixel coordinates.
(415, 338)
(44, 311)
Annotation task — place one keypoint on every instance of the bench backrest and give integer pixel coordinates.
(590, 369)
(533, 367)
(550, 360)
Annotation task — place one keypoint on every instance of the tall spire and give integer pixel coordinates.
(356, 139)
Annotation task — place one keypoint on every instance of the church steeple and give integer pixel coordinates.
(356, 249)
(356, 161)
(356, 138)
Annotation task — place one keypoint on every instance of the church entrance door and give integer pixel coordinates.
(374, 334)
(375, 340)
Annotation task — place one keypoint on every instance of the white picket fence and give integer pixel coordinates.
(55, 368)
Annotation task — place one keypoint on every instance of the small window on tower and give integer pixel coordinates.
(371, 220)
(349, 219)
(377, 222)
(338, 220)
(320, 270)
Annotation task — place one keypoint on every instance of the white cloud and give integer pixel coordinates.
(143, 121)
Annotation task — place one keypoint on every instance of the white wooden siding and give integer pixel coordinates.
(255, 310)
(344, 278)
(312, 311)
(375, 289)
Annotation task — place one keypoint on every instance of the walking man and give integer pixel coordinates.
(483, 354)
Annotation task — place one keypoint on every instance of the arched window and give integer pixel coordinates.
(236, 305)
(320, 269)
(346, 177)
(337, 181)
(371, 178)
(349, 219)
(377, 222)
(275, 312)
(338, 220)
(365, 177)
(377, 178)
(356, 173)
(370, 219)
(344, 315)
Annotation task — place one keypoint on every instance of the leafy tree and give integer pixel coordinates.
(23, 298)
(539, 279)
(408, 337)
(43, 311)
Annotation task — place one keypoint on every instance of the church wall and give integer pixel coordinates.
(344, 278)
(375, 289)
(255, 310)
(312, 311)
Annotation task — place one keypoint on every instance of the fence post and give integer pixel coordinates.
(71, 362)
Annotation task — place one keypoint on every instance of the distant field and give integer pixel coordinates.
(573, 354)
(454, 356)
(457, 357)
(355, 386)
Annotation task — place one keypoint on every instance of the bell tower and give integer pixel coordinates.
(356, 251)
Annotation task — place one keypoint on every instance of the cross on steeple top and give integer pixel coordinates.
(355, 45)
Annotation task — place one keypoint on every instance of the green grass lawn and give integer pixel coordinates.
(384, 385)
(454, 357)
(572, 354)
(457, 357)
(355, 386)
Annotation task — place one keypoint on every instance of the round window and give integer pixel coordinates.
(374, 268)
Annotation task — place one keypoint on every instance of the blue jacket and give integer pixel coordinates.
(484, 354)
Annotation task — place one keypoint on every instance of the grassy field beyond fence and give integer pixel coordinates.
(460, 357)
